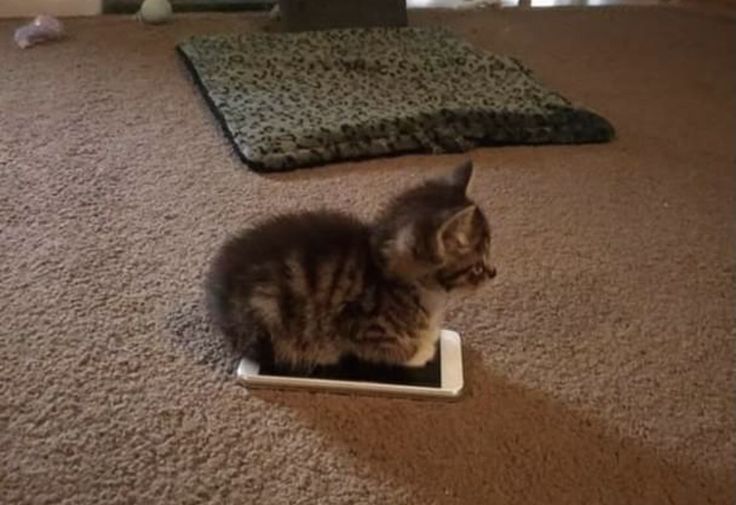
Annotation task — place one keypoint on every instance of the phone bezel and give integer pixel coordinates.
(451, 367)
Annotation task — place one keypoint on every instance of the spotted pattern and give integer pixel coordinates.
(301, 99)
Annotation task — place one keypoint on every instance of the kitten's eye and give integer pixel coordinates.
(478, 268)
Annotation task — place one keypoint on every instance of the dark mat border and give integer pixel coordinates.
(211, 104)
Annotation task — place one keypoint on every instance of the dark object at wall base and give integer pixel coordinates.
(302, 15)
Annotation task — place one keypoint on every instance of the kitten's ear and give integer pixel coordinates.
(455, 233)
(462, 176)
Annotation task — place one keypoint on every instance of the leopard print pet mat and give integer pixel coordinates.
(301, 99)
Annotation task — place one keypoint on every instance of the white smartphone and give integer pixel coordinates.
(440, 378)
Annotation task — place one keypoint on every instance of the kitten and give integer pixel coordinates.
(311, 288)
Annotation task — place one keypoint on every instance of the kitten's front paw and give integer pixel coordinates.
(423, 356)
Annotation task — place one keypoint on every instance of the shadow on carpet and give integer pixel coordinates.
(501, 443)
(190, 330)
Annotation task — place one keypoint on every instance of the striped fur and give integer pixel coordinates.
(311, 288)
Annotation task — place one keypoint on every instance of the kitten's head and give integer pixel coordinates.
(435, 235)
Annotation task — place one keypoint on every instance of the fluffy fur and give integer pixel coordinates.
(311, 288)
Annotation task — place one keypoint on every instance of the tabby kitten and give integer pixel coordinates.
(311, 288)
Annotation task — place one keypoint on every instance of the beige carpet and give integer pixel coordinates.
(600, 364)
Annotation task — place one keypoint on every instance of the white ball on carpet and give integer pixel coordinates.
(155, 11)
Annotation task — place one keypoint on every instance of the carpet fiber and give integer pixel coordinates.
(599, 364)
(299, 99)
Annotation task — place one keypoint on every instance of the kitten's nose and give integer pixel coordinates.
(491, 272)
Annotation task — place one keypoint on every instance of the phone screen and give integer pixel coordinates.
(352, 369)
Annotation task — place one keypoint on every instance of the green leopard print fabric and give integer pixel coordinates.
(301, 99)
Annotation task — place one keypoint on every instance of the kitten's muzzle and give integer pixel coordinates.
(491, 273)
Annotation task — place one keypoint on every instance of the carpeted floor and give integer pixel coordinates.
(600, 364)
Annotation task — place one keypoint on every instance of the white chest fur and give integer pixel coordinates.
(434, 302)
